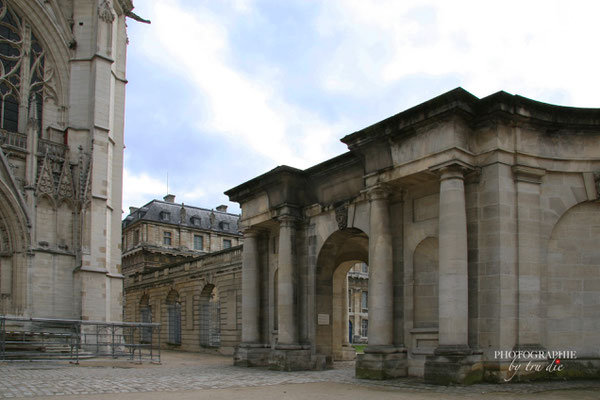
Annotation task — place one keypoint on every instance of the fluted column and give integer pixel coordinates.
(453, 271)
(381, 279)
(286, 288)
(250, 288)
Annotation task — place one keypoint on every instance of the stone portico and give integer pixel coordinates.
(479, 220)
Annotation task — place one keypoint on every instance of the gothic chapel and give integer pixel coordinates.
(62, 93)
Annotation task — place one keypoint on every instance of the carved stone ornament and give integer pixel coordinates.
(65, 184)
(341, 216)
(45, 184)
(105, 12)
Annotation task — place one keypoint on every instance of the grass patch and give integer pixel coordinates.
(360, 348)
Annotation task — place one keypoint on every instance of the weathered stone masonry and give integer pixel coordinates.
(479, 220)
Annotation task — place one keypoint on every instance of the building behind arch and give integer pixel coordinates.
(62, 100)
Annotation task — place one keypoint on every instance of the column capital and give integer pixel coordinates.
(378, 191)
(452, 169)
(287, 221)
(251, 231)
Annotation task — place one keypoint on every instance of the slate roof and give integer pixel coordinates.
(209, 219)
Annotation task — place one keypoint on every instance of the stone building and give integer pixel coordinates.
(358, 304)
(479, 220)
(182, 267)
(62, 86)
(164, 232)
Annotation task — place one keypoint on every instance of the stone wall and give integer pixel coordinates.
(191, 283)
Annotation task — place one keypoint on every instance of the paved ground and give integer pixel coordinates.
(198, 376)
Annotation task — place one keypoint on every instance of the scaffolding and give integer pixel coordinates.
(43, 339)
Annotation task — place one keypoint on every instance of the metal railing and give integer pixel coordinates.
(36, 339)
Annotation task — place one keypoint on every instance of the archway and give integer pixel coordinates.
(340, 252)
(174, 318)
(145, 317)
(210, 317)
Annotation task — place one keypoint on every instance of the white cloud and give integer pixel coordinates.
(525, 47)
(243, 109)
(139, 189)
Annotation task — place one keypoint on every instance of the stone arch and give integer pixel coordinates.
(55, 37)
(173, 318)
(339, 253)
(14, 242)
(425, 286)
(210, 316)
(572, 295)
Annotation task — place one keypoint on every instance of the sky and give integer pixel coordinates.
(220, 91)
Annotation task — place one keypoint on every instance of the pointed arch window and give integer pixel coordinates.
(22, 71)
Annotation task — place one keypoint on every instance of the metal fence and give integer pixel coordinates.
(36, 339)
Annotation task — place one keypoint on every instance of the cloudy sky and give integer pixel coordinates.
(221, 91)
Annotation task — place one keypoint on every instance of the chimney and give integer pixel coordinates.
(133, 209)
(170, 198)
(222, 208)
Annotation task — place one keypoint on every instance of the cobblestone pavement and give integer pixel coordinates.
(187, 371)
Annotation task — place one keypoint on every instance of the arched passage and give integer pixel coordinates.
(174, 318)
(210, 317)
(337, 256)
(146, 317)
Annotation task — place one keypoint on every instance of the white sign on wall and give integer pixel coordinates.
(323, 319)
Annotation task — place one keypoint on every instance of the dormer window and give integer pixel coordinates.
(224, 226)
(165, 216)
(195, 221)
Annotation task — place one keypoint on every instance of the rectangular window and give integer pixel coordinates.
(364, 301)
(350, 302)
(226, 243)
(365, 327)
(136, 236)
(198, 242)
(167, 239)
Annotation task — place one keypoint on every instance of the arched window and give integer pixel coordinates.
(174, 316)
(210, 317)
(145, 317)
(22, 75)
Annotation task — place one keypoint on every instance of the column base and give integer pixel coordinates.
(453, 365)
(294, 360)
(346, 353)
(381, 362)
(251, 355)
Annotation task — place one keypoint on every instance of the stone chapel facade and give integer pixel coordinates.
(479, 220)
(62, 101)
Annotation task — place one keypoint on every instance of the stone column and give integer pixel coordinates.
(250, 288)
(527, 183)
(286, 286)
(381, 360)
(453, 361)
(288, 354)
(251, 351)
(453, 268)
(381, 279)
